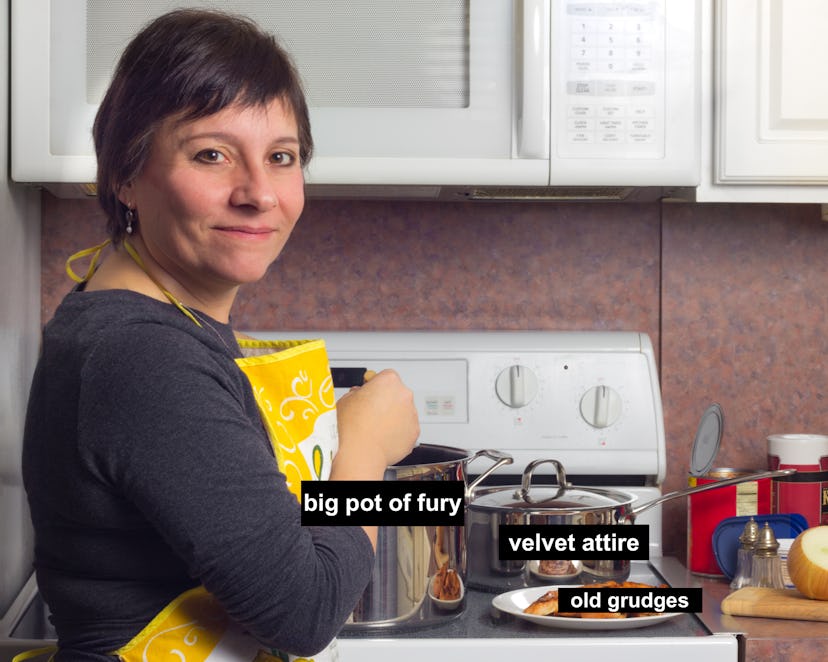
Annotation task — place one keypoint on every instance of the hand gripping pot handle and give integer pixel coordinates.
(500, 460)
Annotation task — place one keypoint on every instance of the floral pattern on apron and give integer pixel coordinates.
(295, 395)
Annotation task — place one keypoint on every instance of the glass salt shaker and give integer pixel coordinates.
(766, 568)
(747, 542)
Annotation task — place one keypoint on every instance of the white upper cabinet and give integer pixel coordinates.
(765, 117)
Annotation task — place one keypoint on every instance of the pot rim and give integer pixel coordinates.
(458, 465)
(463, 455)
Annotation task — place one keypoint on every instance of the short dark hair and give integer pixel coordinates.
(189, 63)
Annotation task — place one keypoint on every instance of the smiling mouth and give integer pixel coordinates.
(247, 230)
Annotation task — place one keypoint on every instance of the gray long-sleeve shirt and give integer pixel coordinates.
(149, 472)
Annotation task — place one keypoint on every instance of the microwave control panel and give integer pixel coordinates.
(612, 57)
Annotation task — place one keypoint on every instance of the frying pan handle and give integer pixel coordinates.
(526, 483)
(711, 486)
(499, 458)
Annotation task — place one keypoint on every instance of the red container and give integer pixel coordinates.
(707, 509)
(806, 491)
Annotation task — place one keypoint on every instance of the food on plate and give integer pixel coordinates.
(547, 604)
(445, 585)
(555, 568)
(808, 562)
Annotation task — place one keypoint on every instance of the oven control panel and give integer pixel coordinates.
(589, 399)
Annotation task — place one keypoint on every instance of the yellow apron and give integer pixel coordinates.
(295, 396)
(292, 383)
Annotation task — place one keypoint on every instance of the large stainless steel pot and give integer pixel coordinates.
(558, 504)
(408, 556)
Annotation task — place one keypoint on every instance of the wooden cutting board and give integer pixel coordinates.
(774, 603)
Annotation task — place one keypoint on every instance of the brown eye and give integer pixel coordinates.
(209, 156)
(282, 158)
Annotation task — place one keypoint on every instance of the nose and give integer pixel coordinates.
(254, 188)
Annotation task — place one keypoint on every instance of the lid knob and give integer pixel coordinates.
(526, 483)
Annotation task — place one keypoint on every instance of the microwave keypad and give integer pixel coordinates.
(613, 96)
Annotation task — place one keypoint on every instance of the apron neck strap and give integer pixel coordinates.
(170, 297)
(95, 252)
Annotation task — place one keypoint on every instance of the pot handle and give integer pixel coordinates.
(526, 482)
(499, 458)
(711, 486)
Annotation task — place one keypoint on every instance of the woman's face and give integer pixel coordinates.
(218, 198)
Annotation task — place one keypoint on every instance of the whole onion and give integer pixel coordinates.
(808, 562)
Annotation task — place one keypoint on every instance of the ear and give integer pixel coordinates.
(125, 195)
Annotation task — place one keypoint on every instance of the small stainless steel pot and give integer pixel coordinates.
(408, 556)
(558, 504)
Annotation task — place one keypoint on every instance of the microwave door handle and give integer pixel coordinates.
(533, 123)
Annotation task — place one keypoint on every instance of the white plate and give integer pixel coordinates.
(534, 568)
(514, 602)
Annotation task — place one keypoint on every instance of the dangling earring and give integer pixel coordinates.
(130, 216)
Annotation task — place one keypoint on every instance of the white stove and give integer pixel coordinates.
(591, 398)
(588, 399)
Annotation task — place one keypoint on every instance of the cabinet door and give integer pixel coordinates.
(771, 96)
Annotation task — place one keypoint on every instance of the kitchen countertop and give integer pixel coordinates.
(762, 639)
(480, 620)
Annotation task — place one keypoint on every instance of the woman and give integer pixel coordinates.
(149, 448)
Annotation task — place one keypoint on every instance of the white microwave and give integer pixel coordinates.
(416, 94)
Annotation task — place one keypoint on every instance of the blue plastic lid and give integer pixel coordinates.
(726, 535)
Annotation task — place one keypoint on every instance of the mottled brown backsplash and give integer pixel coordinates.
(733, 296)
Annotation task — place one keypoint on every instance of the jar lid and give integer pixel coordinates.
(766, 545)
(750, 534)
(707, 441)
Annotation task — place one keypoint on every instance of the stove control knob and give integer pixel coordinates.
(516, 386)
(601, 406)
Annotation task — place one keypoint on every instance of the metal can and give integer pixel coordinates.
(706, 509)
(806, 491)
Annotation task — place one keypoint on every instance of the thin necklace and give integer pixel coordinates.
(170, 297)
(191, 313)
(201, 317)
